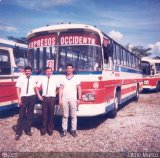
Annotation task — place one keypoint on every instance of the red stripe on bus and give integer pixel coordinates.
(7, 91)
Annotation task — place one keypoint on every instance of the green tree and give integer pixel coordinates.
(139, 50)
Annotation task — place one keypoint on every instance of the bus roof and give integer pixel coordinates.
(11, 44)
(62, 27)
(150, 60)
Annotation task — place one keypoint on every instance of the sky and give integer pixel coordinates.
(133, 22)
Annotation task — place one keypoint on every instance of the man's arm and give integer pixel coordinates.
(18, 95)
(38, 94)
(60, 95)
(37, 88)
(79, 92)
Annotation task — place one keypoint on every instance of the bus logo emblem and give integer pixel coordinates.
(95, 85)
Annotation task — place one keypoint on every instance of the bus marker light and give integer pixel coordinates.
(100, 78)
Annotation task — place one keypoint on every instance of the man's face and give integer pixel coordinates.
(28, 72)
(48, 72)
(69, 70)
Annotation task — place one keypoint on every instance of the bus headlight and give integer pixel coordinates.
(88, 97)
(146, 82)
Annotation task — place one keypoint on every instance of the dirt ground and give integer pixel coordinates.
(135, 129)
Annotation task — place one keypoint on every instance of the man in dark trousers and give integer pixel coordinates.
(49, 86)
(26, 87)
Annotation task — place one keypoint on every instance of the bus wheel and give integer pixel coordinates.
(158, 87)
(136, 98)
(113, 112)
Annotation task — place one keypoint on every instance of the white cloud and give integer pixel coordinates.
(155, 48)
(41, 4)
(8, 28)
(116, 35)
(48, 4)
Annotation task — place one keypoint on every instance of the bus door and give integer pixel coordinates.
(7, 86)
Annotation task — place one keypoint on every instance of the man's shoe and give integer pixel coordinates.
(63, 134)
(50, 133)
(14, 128)
(28, 133)
(42, 133)
(74, 134)
(17, 137)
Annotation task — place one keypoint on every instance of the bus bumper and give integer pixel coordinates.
(83, 110)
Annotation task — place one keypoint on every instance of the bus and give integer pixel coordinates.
(151, 71)
(13, 57)
(109, 73)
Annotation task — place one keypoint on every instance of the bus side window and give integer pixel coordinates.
(114, 53)
(125, 57)
(108, 55)
(107, 52)
(5, 65)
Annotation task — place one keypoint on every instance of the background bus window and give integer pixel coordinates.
(146, 68)
(157, 65)
(20, 57)
(5, 65)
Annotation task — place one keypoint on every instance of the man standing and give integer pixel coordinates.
(26, 87)
(69, 87)
(49, 85)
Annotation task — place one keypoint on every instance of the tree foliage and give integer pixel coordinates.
(22, 40)
(139, 50)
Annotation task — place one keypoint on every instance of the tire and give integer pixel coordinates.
(113, 112)
(136, 98)
(158, 87)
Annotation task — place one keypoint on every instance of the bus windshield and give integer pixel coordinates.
(157, 65)
(145, 68)
(82, 49)
(83, 58)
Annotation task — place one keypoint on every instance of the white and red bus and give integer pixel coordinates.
(109, 73)
(151, 71)
(13, 57)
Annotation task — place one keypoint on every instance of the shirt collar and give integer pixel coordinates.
(27, 76)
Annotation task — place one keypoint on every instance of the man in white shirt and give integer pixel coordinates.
(69, 87)
(26, 87)
(49, 86)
